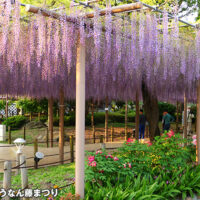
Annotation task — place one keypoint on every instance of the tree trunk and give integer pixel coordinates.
(151, 111)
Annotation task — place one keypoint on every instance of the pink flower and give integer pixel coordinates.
(149, 143)
(99, 151)
(91, 159)
(109, 156)
(129, 140)
(124, 165)
(194, 137)
(115, 158)
(194, 142)
(170, 133)
(129, 165)
(93, 164)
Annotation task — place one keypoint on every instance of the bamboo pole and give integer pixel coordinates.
(80, 120)
(106, 120)
(50, 119)
(126, 119)
(137, 117)
(61, 125)
(185, 118)
(198, 125)
(115, 9)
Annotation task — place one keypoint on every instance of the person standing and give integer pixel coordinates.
(167, 119)
(142, 122)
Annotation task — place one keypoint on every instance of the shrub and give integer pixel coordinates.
(162, 170)
(68, 120)
(15, 121)
(43, 119)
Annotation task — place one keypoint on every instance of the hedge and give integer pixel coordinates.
(99, 118)
(15, 121)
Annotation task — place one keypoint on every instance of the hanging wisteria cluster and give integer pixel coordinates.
(38, 57)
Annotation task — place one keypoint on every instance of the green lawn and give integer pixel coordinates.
(47, 178)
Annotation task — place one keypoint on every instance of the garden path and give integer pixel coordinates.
(9, 153)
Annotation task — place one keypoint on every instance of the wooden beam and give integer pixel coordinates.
(116, 9)
(55, 15)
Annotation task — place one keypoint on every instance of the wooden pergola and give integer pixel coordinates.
(80, 90)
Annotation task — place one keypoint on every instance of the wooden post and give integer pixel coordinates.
(24, 132)
(61, 125)
(35, 150)
(101, 142)
(24, 173)
(92, 114)
(6, 110)
(112, 131)
(9, 135)
(50, 119)
(137, 117)
(72, 147)
(106, 120)
(185, 118)
(47, 138)
(101, 138)
(17, 162)
(126, 117)
(93, 131)
(198, 125)
(31, 117)
(39, 115)
(7, 177)
(177, 116)
(80, 120)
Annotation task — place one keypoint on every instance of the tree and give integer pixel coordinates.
(151, 111)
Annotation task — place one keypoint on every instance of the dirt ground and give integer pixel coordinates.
(9, 153)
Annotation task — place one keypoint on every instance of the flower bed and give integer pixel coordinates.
(163, 170)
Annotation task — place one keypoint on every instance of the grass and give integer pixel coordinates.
(47, 178)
